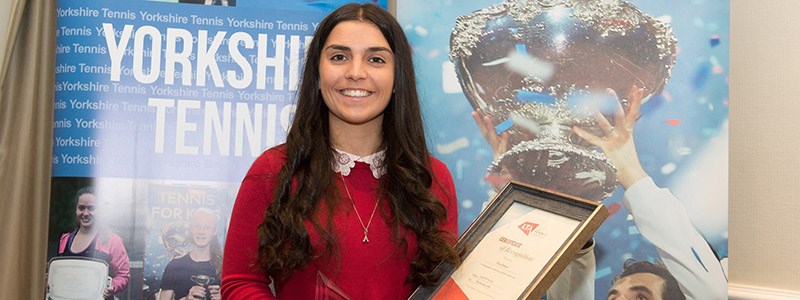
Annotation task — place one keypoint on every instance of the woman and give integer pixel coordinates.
(93, 239)
(352, 203)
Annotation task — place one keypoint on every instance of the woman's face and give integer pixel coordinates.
(85, 210)
(356, 74)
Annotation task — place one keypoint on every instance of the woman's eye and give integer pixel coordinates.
(377, 60)
(337, 57)
(641, 297)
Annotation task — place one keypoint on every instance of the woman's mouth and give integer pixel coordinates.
(355, 93)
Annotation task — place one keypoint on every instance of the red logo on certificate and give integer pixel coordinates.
(527, 227)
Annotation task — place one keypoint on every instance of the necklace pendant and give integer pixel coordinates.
(365, 240)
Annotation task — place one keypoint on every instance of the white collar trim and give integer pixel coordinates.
(344, 162)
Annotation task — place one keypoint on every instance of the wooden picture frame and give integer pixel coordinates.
(518, 246)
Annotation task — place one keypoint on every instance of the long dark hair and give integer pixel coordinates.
(284, 240)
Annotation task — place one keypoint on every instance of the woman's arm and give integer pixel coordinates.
(119, 263)
(240, 278)
(659, 216)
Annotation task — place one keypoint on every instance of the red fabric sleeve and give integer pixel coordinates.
(240, 278)
(444, 189)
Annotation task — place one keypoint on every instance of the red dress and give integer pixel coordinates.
(374, 270)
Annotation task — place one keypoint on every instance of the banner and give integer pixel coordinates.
(160, 108)
(539, 68)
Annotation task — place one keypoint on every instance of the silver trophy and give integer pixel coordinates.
(204, 281)
(537, 66)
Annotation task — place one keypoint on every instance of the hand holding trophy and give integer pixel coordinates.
(535, 69)
(204, 281)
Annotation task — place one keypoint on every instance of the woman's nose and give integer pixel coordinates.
(355, 71)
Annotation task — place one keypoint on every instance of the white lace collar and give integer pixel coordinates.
(344, 161)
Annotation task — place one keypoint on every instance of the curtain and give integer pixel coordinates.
(26, 116)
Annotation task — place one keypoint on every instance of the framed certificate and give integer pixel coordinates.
(518, 245)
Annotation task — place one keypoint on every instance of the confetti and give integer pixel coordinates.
(466, 204)
(450, 84)
(668, 168)
(526, 96)
(454, 146)
(714, 40)
(632, 230)
(421, 31)
(496, 62)
(460, 165)
(529, 66)
(528, 124)
(613, 208)
(521, 48)
(497, 179)
(586, 103)
(667, 96)
(716, 66)
(673, 122)
(503, 126)
(701, 74)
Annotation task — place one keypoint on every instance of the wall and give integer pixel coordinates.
(764, 142)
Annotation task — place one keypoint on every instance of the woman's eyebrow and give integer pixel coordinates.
(348, 49)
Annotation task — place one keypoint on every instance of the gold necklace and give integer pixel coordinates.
(366, 227)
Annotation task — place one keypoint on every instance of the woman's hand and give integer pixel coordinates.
(618, 143)
(499, 143)
(215, 292)
(196, 292)
(108, 292)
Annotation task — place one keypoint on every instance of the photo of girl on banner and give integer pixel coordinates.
(92, 220)
(196, 273)
(93, 238)
(184, 247)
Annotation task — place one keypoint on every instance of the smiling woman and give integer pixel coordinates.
(356, 77)
(92, 238)
(378, 228)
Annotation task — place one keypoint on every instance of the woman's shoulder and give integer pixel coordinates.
(269, 162)
(110, 238)
(438, 167)
(65, 235)
(64, 239)
(441, 174)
